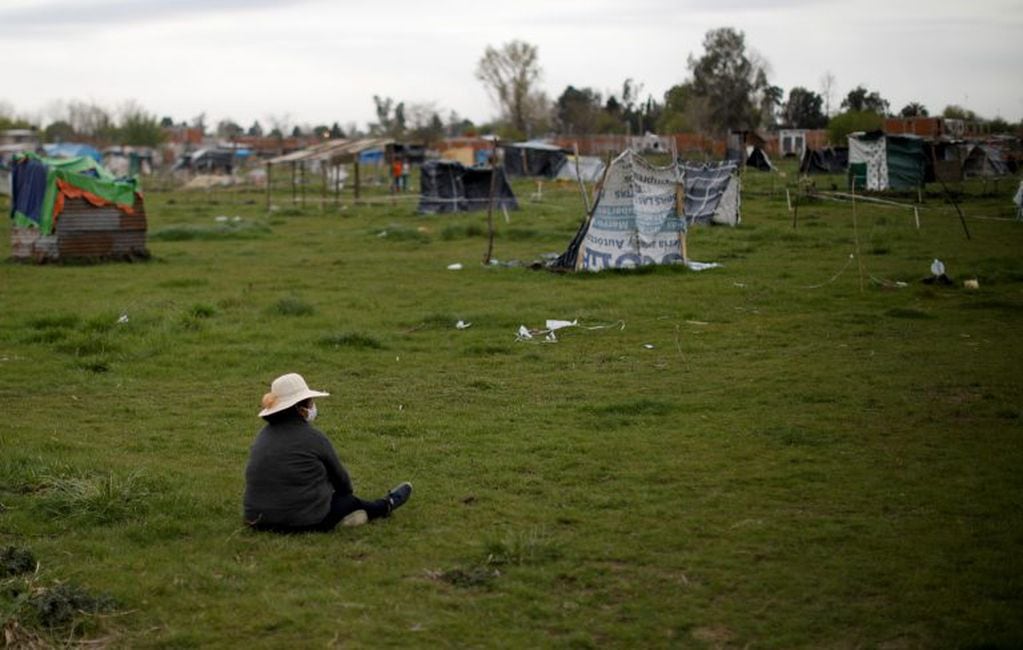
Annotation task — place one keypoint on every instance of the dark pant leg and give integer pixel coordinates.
(342, 505)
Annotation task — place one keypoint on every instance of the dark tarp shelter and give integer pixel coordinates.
(533, 159)
(757, 159)
(985, 161)
(449, 186)
(830, 160)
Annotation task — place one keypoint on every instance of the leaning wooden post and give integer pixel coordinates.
(683, 231)
(490, 203)
(294, 187)
(337, 184)
(323, 185)
(302, 181)
(579, 177)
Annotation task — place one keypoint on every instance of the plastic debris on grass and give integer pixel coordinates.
(462, 325)
(546, 334)
(457, 266)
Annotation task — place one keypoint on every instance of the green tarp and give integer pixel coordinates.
(82, 173)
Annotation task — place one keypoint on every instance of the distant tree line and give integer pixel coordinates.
(726, 87)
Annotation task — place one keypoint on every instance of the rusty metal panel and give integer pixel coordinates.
(84, 231)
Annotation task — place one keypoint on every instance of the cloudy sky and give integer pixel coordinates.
(320, 61)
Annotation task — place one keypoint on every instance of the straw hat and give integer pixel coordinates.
(286, 391)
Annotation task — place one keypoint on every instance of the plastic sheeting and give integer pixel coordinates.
(636, 221)
(712, 192)
(448, 186)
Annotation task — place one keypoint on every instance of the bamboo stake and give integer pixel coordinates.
(579, 177)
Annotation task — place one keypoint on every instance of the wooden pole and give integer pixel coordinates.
(579, 177)
(856, 235)
(294, 189)
(598, 193)
(269, 167)
(302, 180)
(337, 184)
(356, 165)
(490, 203)
(795, 210)
(323, 184)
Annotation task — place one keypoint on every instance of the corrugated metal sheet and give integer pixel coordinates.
(84, 231)
(333, 150)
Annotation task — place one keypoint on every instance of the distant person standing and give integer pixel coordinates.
(406, 172)
(294, 481)
(396, 174)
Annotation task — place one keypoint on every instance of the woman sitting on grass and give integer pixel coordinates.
(294, 481)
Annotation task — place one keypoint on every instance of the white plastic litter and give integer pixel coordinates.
(462, 325)
(558, 324)
(551, 326)
(937, 267)
(457, 266)
(123, 319)
(648, 346)
(701, 266)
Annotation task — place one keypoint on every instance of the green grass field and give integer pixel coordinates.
(791, 451)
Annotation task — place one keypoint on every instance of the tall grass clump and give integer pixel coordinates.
(103, 498)
(292, 306)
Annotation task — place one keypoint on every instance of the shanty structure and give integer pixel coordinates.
(638, 219)
(449, 186)
(322, 157)
(66, 209)
(712, 192)
(533, 159)
(830, 160)
(879, 161)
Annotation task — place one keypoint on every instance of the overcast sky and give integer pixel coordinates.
(320, 61)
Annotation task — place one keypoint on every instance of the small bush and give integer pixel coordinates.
(14, 561)
(351, 340)
(59, 606)
(292, 306)
(218, 232)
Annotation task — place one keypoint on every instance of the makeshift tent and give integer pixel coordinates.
(984, 160)
(449, 186)
(74, 208)
(757, 158)
(532, 159)
(638, 219)
(590, 168)
(712, 192)
(830, 160)
(882, 162)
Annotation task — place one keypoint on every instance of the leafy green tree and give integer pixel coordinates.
(913, 109)
(59, 131)
(577, 111)
(956, 112)
(256, 129)
(336, 132)
(804, 110)
(729, 83)
(843, 124)
(139, 128)
(229, 129)
(861, 100)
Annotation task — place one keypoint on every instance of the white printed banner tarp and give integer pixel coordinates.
(636, 221)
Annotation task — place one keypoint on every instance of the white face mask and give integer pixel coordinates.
(310, 413)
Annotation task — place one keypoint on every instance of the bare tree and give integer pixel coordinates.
(509, 75)
(827, 91)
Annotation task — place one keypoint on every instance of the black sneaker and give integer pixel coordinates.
(398, 496)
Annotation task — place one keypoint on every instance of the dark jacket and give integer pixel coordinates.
(292, 473)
